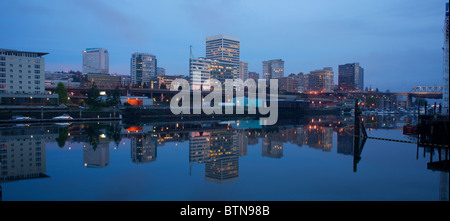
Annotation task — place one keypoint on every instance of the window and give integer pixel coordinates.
(37, 71)
(37, 77)
(37, 66)
(37, 82)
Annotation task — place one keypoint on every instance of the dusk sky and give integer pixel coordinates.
(398, 42)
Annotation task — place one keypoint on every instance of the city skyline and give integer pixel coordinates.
(393, 40)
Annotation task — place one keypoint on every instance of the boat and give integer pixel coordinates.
(20, 117)
(64, 117)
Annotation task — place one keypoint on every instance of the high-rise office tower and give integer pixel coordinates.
(143, 68)
(273, 69)
(225, 49)
(243, 70)
(351, 77)
(445, 91)
(95, 61)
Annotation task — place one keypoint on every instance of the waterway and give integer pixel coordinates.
(311, 159)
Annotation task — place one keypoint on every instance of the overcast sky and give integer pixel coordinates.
(397, 42)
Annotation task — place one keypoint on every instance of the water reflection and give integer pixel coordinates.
(215, 145)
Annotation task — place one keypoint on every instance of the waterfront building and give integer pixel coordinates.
(143, 68)
(243, 70)
(351, 77)
(224, 48)
(22, 72)
(100, 80)
(22, 78)
(95, 60)
(136, 100)
(273, 69)
(321, 80)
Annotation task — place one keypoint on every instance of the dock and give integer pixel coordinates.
(29, 121)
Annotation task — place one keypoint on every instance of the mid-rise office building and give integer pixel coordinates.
(351, 77)
(225, 49)
(143, 68)
(287, 84)
(95, 61)
(273, 69)
(199, 72)
(243, 70)
(160, 72)
(321, 80)
(202, 69)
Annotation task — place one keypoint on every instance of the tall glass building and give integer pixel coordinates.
(143, 68)
(95, 61)
(273, 69)
(351, 77)
(225, 49)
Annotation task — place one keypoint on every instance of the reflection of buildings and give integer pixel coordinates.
(219, 150)
(272, 149)
(96, 155)
(223, 165)
(22, 153)
(345, 141)
(143, 148)
(199, 147)
(320, 137)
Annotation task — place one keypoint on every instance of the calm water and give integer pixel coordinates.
(309, 160)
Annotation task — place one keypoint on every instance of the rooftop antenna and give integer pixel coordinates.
(190, 50)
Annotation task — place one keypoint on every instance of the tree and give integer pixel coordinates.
(62, 93)
(93, 94)
(115, 98)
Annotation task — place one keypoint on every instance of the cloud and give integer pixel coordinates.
(113, 21)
